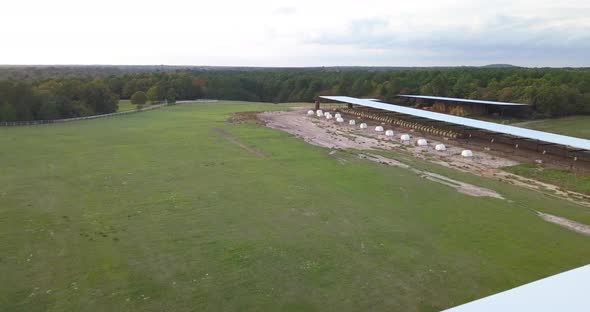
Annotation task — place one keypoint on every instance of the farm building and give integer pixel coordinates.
(562, 291)
(473, 130)
(467, 107)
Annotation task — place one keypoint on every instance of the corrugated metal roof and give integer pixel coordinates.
(468, 122)
(562, 292)
(440, 98)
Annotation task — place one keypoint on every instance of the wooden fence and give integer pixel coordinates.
(45, 122)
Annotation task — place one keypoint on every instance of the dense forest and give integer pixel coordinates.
(29, 94)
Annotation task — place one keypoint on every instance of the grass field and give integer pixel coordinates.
(178, 210)
(125, 105)
(577, 182)
(577, 126)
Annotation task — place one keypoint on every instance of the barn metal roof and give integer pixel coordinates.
(562, 292)
(468, 122)
(440, 98)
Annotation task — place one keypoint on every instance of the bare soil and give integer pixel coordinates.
(338, 136)
(461, 187)
(243, 117)
(566, 223)
(329, 133)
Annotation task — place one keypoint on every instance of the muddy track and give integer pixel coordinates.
(461, 187)
(566, 223)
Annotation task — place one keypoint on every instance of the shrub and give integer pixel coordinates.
(138, 98)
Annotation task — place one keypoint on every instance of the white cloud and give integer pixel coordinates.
(296, 33)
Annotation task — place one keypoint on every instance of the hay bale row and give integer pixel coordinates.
(440, 147)
(383, 117)
(467, 153)
(404, 138)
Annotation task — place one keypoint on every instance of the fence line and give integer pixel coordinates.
(151, 107)
(44, 122)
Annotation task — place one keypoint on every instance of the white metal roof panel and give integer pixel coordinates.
(566, 291)
(468, 122)
(440, 98)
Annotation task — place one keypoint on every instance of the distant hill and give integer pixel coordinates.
(499, 66)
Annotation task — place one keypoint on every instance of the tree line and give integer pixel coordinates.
(551, 92)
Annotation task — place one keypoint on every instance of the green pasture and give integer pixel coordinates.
(125, 105)
(577, 126)
(177, 209)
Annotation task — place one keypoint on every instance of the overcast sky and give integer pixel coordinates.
(296, 33)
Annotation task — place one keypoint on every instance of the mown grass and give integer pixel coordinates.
(157, 211)
(523, 199)
(577, 126)
(567, 179)
(125, 105)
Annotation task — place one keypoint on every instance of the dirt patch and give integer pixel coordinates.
(566, 223)
(315, 131)
(461, 187)
(330, 134)
(224, 134)
(326, 133)
(243, 117)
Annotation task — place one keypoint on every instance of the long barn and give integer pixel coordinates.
(468, 107)
(456, 126)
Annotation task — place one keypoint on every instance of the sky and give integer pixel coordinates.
(534, 33)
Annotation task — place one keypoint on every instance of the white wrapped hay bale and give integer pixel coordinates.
(319, 113)
(339, 119)
(405, 138)
(352, 122)
(389, 133)
(310, 112)
(337, 115)
(467, 153)
(363, 126)
(440, 147)
(379, 129)
(422, 142)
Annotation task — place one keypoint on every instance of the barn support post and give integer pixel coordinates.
(317, 104)
(542, 147)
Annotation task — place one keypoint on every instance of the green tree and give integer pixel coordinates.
(157, 92)
(552, 91)
(99, 98)
(49, 111)
(153, 94)
(171, 96)
(139, 98)
(7, 112)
